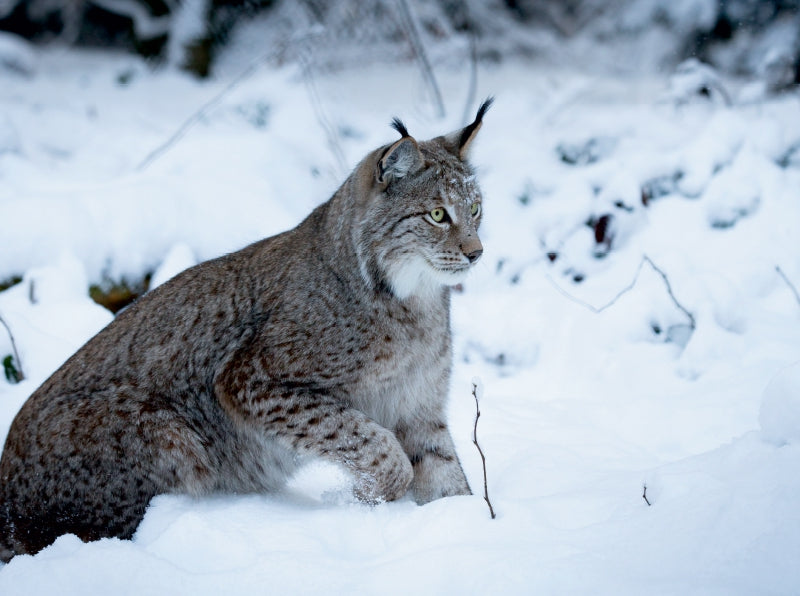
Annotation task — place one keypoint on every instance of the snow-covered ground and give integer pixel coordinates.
(667, 354)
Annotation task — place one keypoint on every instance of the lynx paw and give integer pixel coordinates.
(388, 480)
(434, 479)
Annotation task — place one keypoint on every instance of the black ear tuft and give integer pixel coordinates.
(487, 103)
(398, 125)
(468, 131)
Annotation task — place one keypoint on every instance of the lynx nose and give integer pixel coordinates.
(474, 255)
(472, 248)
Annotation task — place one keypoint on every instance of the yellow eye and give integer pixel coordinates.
(437, 215)
(475, 209)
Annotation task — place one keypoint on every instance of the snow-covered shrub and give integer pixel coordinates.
(735, 192)
(756, 38)
(587, 152)
(694, 79)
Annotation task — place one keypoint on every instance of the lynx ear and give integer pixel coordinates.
(400, 159)
(460, 141)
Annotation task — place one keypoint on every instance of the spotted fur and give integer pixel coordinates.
(330, 340)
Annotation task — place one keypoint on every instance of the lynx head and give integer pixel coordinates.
(419, 219)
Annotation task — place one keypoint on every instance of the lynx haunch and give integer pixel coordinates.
(330, 340)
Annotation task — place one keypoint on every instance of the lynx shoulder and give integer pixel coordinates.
(331, 340)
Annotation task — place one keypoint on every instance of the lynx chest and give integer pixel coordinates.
(406, 369)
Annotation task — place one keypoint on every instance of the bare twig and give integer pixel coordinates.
(628, 288)
(607, 305)
(199, 114)
(644, 495)
(692, 321)
(20, 374)
(322, 117)
(792, 287)
(483, 458)
(414, 38)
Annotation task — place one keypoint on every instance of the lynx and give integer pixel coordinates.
(331, 340)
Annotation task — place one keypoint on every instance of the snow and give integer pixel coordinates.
(666, 359)
(780, 409)
(16, 56)
(179, 257)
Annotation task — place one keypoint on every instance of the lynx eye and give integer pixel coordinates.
(475, 209)
(438, 215)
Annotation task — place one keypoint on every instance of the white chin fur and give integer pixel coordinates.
(416, 277)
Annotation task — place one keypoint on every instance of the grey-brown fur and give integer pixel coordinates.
(330, 340)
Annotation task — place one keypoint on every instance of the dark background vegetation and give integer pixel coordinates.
(759, 38)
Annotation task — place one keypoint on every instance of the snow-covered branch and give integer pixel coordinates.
(145, 25)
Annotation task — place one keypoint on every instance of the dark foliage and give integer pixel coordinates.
(495, 29)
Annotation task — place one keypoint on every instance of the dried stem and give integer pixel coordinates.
(644, 495)
(483, 458)
(21, 375)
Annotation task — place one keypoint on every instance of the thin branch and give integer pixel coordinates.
(21, 374)
(609, 304)
(692, 321)
(325, 122)
(414, 38)
(483, 458)
(199, 115)
(644, 495)
(628, 288)
(792, 287)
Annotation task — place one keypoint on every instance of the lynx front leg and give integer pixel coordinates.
(313, 423)
(437, 471)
